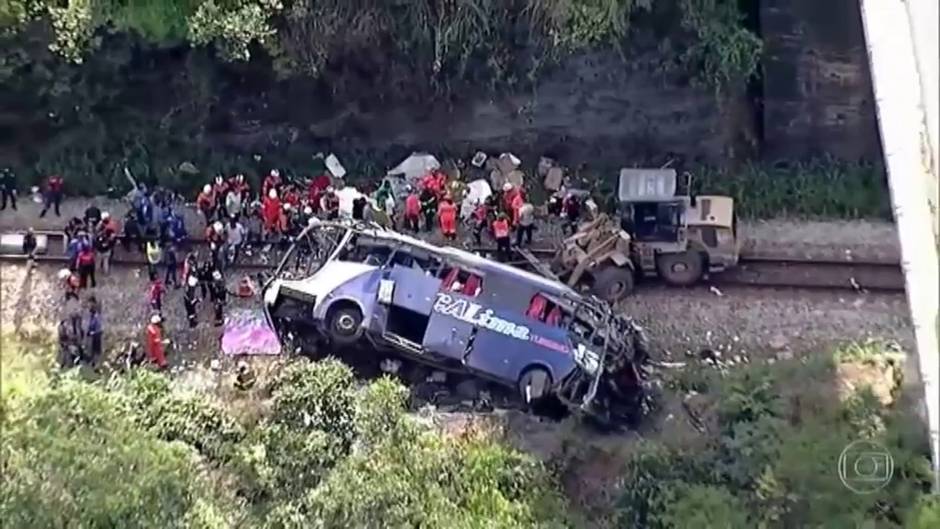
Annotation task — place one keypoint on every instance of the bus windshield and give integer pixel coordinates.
(311, 250)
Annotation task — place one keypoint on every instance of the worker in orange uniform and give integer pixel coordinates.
(155, 341)
(509, 195)
(447, 215)
(501, 234)
(412, 210)
(271, 212)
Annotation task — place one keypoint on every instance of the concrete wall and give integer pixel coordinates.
(817, 86)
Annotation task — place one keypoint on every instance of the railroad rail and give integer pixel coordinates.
(753, 271)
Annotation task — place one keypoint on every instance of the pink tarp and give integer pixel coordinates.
(247, 332)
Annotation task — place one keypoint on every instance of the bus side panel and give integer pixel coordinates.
(414, 289)
(507, 356)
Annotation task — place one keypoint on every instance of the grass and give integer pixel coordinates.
(824, 188)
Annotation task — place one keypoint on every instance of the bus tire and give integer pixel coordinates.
(534, 384)
(344, 324)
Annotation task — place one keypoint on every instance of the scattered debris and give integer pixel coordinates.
(335, 167)
(479, 159)
(714, 290)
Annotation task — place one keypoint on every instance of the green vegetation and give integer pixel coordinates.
(779, 431)
(134, 453)
(822, 188)
(331, 454)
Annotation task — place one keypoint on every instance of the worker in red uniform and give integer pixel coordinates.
(206, 203)
(219, 190)
(501, 234)
(509, 195)
(271, 212)
(447, 215)
(440, 182)
(70, 283)
(272, 181)
(412, 210)
(292, 197)
(155, 293)
(316, 188)
(515, 206)
(53, 195)
(155, 341)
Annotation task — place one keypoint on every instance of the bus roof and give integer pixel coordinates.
(550, 286)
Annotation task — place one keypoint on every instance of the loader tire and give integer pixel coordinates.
(681, 269)
(534, 384)
(613, 283)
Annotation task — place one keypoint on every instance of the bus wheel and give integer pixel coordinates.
(613, 283)
(345, 323)
(534, 384)
(681, 269)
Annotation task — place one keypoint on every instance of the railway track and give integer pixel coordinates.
(753, 271)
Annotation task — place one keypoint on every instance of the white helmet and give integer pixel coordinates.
(155, 319)
(218, 179)
(105, 216)
(64, 274)
(218, 227)
(217, 275)
(507, 187)
(287, 206)
(272, 193)
(330, 189)
(242, 365)
(308, 210)
(192, 281)
(312, 221)
(206, 188)
(275, 173)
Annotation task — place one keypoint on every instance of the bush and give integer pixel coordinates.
(194, 420)
(821, 188)
(775, 459)
(316, 396)
(74, 458)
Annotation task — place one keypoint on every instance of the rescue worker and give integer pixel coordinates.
(518, 200)
(205, 202)
(132, 232)
(68, 344)
(72, 248)
(412, 210)
(233, 203)
(219, 191)
(525, 223)
(204, 273)
(92, 217)
(359, 208)
(7, 188)
(271, 213)
(86, 266)
(154, 257)
(244, 377)
(215, 236)
(509, 195)
(383, 192)
(329, 204)
(104, 247)
(571, 211)
(218, 294)
(155, 294)
(70, 283)
(272, 181)
(316, 188)
(447, 212)
(29, 249)
(428, 207)
(53, 195)
(171, 262)
(155, 342)
(501, 234)
(457, 190)
(235, 237)
(239, 185)
(481, 214)
(190, 268)
(190, 301)
(94, 333)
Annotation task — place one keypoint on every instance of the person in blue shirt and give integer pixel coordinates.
(94, 333)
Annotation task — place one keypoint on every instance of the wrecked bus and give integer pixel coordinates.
(352, 284)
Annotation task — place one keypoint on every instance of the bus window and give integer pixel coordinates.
(461, 282)
(544, 310)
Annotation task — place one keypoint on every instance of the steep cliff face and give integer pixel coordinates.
(817, 96)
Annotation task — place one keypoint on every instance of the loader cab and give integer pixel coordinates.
(648, 208)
